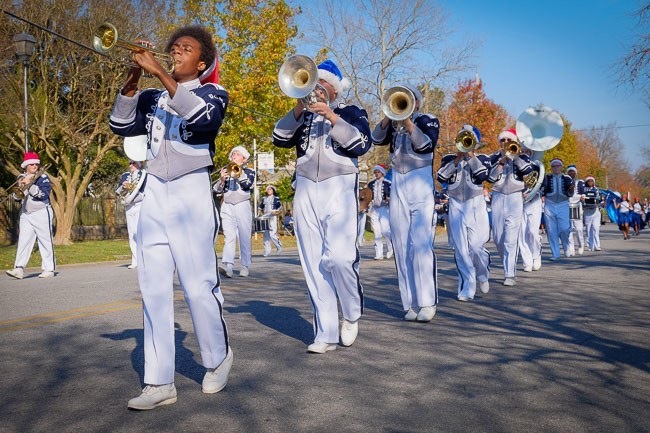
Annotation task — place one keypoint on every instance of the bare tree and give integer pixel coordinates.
(634, 68)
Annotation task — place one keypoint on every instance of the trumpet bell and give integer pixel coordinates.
(465, 141)
(398, 103)
(540, 128)
(298, 76)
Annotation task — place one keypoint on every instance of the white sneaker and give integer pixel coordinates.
(16, 273)
(464, 298)
(243, 272)
(278, 250)
(153, 396)
(569, 253)
(389, 255)
(598, 249)
(528, 269)
(215, 379)
(411, 315)
(484, 286)
(46, 274)
(426, 314)
(349, 331)
(132, 266)
(379, 258)
(266, 254)
(320, 347)
(227, 271)
(581, 250)
(509, 282)
(537, 263)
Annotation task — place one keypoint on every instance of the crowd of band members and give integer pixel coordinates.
(181, 122)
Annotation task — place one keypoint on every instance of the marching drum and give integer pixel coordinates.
(575, 211)
(591, 199)
(262, 224)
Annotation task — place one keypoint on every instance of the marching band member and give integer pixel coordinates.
(530, 241)
(236, 212)
(468, 219)
(328, 136)
(379, 214)
(35, 218)
(271, 206)
(576, 200)
(556, 189)
(591, 205)
(365, 198)
(181, 123)
(412, 208)
(507, 203)
(129, 181)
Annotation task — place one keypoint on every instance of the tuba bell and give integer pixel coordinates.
(298, 78)
(398, 103)
(539, 129)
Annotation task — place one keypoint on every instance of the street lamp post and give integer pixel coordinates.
(24, 43)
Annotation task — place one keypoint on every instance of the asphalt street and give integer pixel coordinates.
(565, 350)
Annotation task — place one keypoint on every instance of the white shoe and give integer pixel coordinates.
(379, 258)
(320, 347)
(349, 331)
(278, 251)
(569, 253)
(132, 266)
(581, 250)
(153, 396)
(528, 269)
(464, 298)
(46, 274)
(389, 255)
(411, 315)
(243, 272)
(484, 286)
(509, 282)
(227, 271)
(598, 249)
(215, 379)
(16, 273)
(537, 263)
(266, 254)
(426, 314)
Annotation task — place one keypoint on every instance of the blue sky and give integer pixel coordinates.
(561, 53)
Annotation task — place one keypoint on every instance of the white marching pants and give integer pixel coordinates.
(577, 227)
(36, 226)
(325, 220)
(132, 217)
(380, 221)
(558, 225)
(530, 241)
(237, 220)
(361, 229)
(176, 236)
(271, 236)
(592, 222)
(507, 213)
(411, 220)
(468, 221)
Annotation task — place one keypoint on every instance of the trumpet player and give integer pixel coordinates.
(576, 200)
(464, 173)
(379, 214)
(33, 189)
(329, 136)
(236, 213)
(412, 143)
(132, 199)
(509, 166)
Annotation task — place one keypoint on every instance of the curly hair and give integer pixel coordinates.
(208, 50)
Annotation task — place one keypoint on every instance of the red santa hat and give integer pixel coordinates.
(380, 168)
(30, 158)
(508, 134)
(211, 74)
(588, 178)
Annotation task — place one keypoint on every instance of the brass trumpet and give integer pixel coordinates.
(106, 38)
(398, 103)
(234, 170)
(466, 141)
(512, 149)
(20, 192)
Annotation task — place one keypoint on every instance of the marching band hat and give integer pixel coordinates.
(557, 160)
(240, 149)
(508, 134)
(331, 73)
(572, 167)
(588, 178)
(380, 168)
(211, 73)
(275, 191)
(30, 158)
(474, 130)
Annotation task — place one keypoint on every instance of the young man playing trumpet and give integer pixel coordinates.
(464, 173)
(35, 218)
(181, 122)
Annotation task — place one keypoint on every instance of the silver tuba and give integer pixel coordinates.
(539, 129)
(398, 103)
(298, 78)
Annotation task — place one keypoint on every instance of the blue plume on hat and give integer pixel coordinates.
(331, 73)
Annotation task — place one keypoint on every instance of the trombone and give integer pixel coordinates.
(298, 78)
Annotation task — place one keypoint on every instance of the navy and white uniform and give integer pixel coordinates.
(591, 206)
(468, 219)
(412, 208)
(132, 210)
(271, 207)
(530, 240)
(556, 212)
(325, 209)
(380, 216)
(237, 217)
(577, 226)
(36, 224)
(178, 219)
(507, 205)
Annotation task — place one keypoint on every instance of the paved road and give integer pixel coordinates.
(566, 350)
